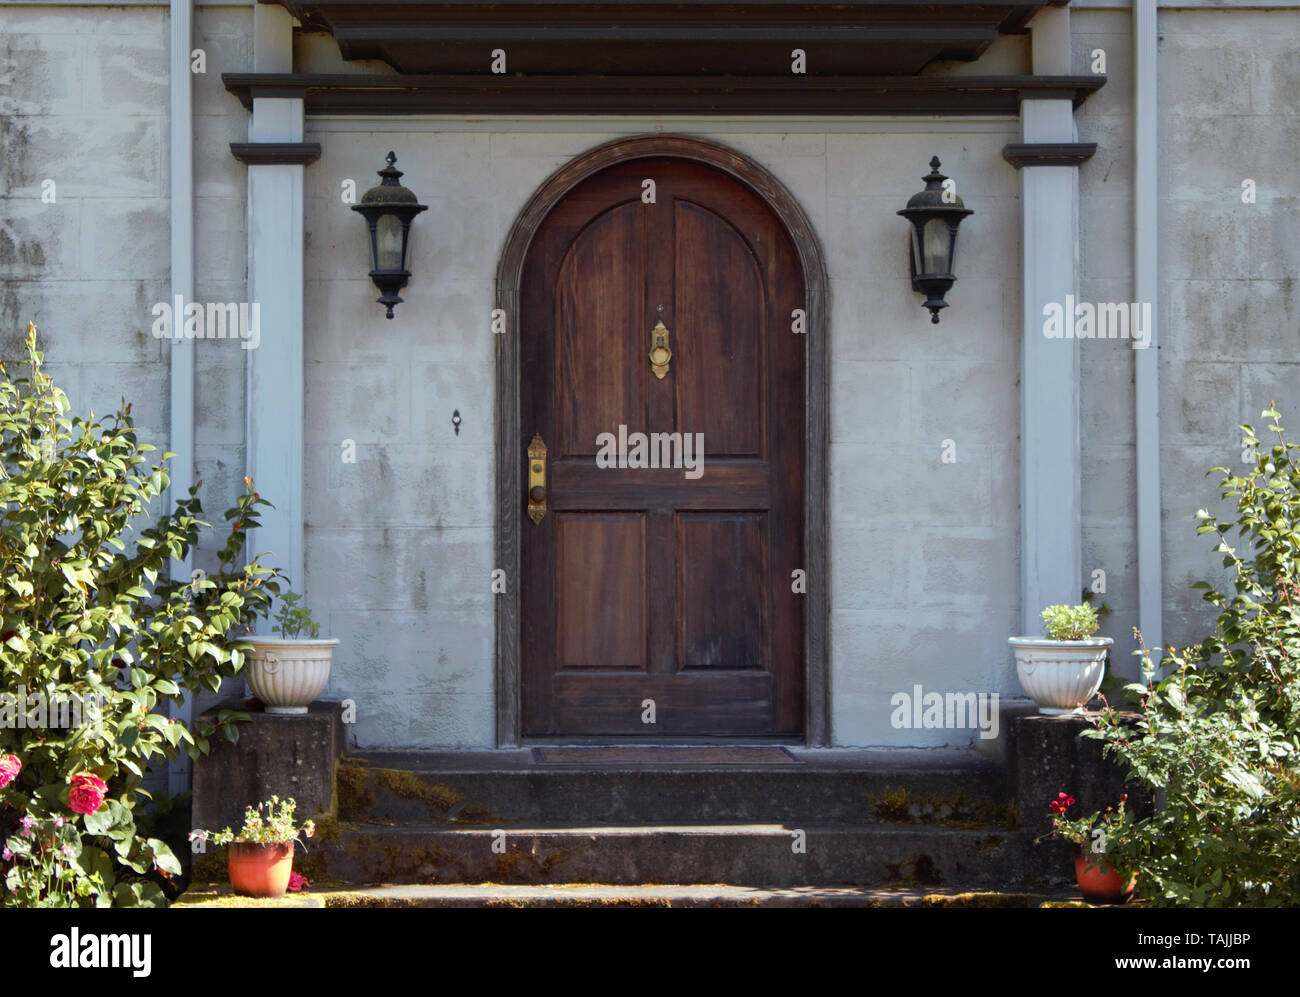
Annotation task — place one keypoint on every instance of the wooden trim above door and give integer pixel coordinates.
(509, 462)
(326, 94)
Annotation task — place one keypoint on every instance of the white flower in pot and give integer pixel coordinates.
(288, 672)
(1062, 671)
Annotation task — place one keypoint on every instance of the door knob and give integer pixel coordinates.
(537, 479)
(660, 354)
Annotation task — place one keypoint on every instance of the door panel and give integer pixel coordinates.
(722, 586)
(600, 589)
(644, 583)
(720, 324)
(596, 335)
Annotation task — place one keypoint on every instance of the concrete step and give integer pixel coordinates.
(760, 855)
(604, 896)
(505, 787)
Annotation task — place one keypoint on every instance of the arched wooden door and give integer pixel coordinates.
(669, 584)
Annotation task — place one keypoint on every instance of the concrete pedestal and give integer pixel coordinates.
(287, 756)
(1052, 758)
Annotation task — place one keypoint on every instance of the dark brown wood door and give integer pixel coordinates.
(663, 583)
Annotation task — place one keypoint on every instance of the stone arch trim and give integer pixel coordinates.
(509, 445)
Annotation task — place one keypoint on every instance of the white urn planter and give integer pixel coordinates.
(1060, 675)
(288, 674)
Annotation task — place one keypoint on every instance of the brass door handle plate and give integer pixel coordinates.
(537, 479)
(660, 354)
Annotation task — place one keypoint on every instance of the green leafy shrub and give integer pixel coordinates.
(1219, 738)
(1070, 622)
(95, 641)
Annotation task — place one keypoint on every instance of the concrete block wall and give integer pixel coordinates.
(1228, 320)
(1228, 269)
(85, 104)
(924, 554)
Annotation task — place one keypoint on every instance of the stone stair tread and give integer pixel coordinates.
(479, 788)
(744, 854)
(870, 761)
(712, 828)
(648, 895)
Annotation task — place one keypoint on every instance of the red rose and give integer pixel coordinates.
(10, 766)
(88, 792)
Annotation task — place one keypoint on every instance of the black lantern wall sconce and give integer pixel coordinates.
(388, 210)
(934, 214)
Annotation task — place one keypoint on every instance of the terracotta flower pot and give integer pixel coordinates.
(1101, 884)
(258, 870)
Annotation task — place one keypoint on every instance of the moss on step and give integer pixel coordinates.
(358, 786)
(352, 789)
(388, 861)
(582, 902)
(350, 900)
(981, 899)
(409, 786)
(895, 805)
(221, 896)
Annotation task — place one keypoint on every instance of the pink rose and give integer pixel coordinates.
(297, 882)
(88, 792)
(10, 766)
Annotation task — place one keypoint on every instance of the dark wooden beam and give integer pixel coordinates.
(1020, 154)
(718, 37)
(275, 153)
(344, 93)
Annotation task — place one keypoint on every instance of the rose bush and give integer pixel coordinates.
(89, 615)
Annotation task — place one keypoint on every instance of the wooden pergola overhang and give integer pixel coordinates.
(663, 57)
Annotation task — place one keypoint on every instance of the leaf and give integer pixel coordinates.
(163, 857)
(100, 822)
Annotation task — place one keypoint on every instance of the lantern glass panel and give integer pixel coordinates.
(937, 244)
(388, 243)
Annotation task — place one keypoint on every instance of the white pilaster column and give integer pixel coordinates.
(1050, 463)
(1146, 285)
(274, 427)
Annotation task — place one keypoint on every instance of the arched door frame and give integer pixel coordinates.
(509, 444)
